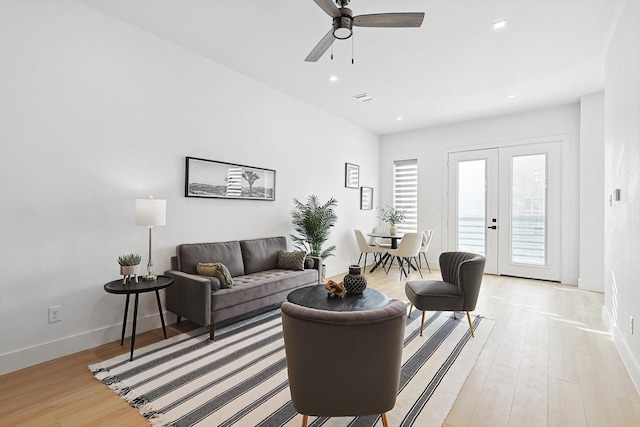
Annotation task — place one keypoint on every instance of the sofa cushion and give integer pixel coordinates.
(261, 254)
(291, 260)
(261, 285)
(217, 270)
(227, 253)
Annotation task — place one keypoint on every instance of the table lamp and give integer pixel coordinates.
(151, 212)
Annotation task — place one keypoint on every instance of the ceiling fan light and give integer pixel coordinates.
(342, 27)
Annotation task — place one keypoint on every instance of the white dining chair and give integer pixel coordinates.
(426, 241)
(381, 241)
(366, 248)
(408, 250)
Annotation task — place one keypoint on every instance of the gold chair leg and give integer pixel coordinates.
(385, 423)
(305, 418)
(422, 324)
(410, 310)
(454, 316)
(470, 324)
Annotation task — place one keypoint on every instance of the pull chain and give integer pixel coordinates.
(332, 51)
(352, 44)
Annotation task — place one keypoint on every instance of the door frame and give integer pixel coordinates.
(562, 140)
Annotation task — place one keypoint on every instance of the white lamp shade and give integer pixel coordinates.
(151, 212)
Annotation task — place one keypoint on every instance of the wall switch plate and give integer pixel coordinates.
(55, 314)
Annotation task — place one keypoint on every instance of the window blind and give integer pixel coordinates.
(405, 192)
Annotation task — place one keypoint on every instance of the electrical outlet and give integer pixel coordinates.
(55, 314)
(631, 324)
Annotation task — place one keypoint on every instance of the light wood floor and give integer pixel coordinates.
(548, 362)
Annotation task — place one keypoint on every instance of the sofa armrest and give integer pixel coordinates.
(190, 296)
(317, 265)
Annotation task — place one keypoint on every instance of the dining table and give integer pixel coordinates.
(394, 245)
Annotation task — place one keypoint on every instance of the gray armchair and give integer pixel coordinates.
(343, 363)
(457, 291)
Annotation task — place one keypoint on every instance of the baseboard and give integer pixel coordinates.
(45, 352)
(628, 359)
(592, 286)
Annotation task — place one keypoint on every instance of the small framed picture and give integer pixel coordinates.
(351, 175)
(366, 198)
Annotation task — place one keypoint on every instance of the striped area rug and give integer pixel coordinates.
(240, 379)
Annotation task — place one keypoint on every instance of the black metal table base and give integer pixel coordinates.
(135, 321)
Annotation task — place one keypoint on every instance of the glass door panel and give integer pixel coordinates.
(528, 209)
(472, 206)
(472, 200)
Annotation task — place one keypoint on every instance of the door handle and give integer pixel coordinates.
(493, 227)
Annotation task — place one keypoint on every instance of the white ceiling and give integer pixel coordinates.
(454, 68)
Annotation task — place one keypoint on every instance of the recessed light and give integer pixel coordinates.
(333, 78)
(499, 24)
(398, 118)
(510, 96)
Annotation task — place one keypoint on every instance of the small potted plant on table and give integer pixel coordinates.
(392, 216)
(129, 266)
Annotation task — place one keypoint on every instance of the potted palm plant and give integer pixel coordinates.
(392, 216)
(313, 222)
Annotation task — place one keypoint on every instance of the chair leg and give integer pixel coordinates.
(422, 324)
(410, 310)
(470, 324)
(385, 423)
(212, 331)
(365, 262)
(419, 269)
(305, 419)
(427, 261)
(390, 264)
(360, 259)
(454, 315)
(402, 268)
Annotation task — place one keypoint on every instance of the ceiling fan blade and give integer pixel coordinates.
(329, 7)
(389, 20)
(321, 47)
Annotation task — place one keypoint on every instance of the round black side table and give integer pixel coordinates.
(131, 287)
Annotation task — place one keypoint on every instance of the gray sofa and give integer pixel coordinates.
(257, 282)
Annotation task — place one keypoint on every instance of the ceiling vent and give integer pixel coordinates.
(363, 97)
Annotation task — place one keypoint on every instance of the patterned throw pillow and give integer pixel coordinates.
(291, 260)
(217, 270)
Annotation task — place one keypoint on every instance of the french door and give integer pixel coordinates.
(504, 203)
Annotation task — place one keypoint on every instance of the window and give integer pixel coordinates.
(405, 192)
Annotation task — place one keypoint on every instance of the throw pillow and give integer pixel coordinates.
(206, 268)
(217, 270)
(308, 263)
(291, 260)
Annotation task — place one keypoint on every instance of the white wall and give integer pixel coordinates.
(622, 170)
(96, 113)
(428, 146)
(592, 193)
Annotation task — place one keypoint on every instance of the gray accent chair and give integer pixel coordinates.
(457, 291)
(343, 363)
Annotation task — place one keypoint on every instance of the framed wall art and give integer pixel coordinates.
(351, 175)
(366, 198)
(221, 180)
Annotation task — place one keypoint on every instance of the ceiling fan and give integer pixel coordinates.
(344, 21)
